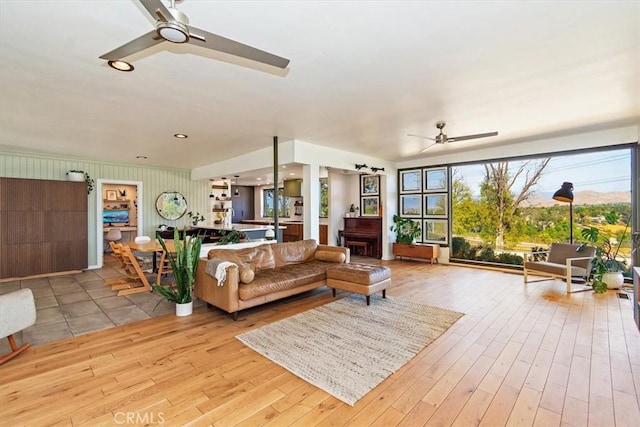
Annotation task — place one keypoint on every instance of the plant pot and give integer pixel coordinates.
(185, 309)
(75, 176)
(613, 279)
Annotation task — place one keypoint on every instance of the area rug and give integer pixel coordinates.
(346, 348)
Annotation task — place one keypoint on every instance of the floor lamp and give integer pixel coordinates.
(565, 194)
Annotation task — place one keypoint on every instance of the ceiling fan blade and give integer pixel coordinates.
(420, 136)
(141, 43)
(465, 137)
(156, 9)
(429, 146)
(212, 41)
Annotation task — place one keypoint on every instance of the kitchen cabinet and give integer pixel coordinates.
(243, 203)
(293, 232)
(324, 234)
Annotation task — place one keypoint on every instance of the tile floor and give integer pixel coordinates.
(77, 304)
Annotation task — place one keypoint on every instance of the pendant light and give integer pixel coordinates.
(237, 192)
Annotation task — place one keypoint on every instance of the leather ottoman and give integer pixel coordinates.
(362, 279)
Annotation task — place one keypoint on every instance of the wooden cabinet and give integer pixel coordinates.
(324, 234)
(43, 227)
(420, 251)
(293, 232)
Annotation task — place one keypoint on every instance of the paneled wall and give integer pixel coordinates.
(155, 181)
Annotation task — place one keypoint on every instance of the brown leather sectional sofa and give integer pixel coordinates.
(266, 273)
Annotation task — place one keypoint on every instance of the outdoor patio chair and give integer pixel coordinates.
(563, 262)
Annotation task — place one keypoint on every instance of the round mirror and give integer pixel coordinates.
(171, 205)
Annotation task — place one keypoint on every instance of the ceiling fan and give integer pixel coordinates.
(441, 138)
(173, 26)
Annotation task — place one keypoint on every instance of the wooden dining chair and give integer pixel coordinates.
(164, 266)
(135, 280)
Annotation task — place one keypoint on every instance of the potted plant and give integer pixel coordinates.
(606, 270)
(78, 176)
(406, 229)
(228, 237)
(196, 217)
(184, 263)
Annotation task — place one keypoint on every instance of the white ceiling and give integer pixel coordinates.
(362, 75)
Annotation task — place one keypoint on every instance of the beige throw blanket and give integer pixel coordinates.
(218, 269)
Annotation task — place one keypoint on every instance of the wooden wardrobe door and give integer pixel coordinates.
(43, 226)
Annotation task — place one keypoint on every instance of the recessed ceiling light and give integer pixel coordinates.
(284, 166)
(292, 173)
(141, 157)
(181, 135)
(120, 65)
(259, 179)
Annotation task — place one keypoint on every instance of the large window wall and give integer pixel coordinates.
(504, 210)
(500, 211)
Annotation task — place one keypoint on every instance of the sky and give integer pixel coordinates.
(597, 171)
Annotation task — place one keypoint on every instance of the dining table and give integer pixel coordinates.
(152, 246)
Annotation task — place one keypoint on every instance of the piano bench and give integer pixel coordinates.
(358, 244)
(362, 279)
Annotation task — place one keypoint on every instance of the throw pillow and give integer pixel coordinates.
(330, 256)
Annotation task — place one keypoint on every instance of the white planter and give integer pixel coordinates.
(75, 176)
(614, 280)
(185, 309)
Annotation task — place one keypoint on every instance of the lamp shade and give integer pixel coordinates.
(292, 188)
(565, 193)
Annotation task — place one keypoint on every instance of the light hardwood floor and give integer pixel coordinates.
(521, 355)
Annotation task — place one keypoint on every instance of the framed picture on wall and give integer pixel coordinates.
(435, 179)
(112, 195)
(369, 185)
(370, 206)
(435, 231)
(435, 205)
(411, 181)
(411, 205)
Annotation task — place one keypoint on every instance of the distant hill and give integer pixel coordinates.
(586, 197)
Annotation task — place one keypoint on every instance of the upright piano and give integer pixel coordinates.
(365, 229)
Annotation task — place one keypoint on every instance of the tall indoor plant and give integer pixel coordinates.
(407, 230)
(184, 263)
(606, 270)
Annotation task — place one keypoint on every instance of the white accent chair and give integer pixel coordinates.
(17, 312)
(113, 235)
(563, 262)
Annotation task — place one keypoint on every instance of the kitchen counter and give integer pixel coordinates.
(252, 231)
(293, 230)
(240, 227)
(266, 221)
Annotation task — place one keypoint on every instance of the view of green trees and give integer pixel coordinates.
(497, 226)
(324, 197)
